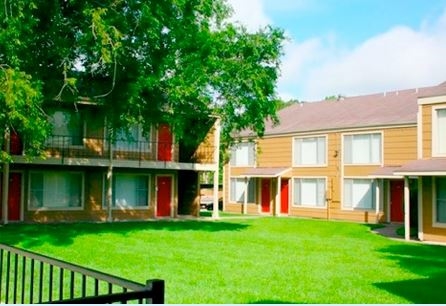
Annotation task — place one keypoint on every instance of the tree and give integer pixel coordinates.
(174, 61)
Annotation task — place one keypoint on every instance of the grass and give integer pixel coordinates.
(255, 260)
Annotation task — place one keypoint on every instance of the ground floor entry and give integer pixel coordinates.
(14, 196)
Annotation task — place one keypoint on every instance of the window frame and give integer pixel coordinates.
(436, 223)
(252, 144)
(119, 208)
(372, 189)
(344, 148)
(126, 145)
(46, 208)
(251, 184)
(302, 205)
(82, 128)
(435, 137)
(294, 151)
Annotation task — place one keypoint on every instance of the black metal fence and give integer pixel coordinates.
(28, 278)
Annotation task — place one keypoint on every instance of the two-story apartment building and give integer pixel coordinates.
(335, 159)
(87, 175)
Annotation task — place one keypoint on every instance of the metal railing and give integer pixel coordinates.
(27, 278)
(97, 147)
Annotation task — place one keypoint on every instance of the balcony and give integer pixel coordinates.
(97, 150)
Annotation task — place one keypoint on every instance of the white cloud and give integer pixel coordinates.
(250, 13)
(397, 59)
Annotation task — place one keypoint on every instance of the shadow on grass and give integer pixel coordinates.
(427, 261)
(29, 235)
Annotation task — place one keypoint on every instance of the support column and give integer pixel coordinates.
(215, 212)
(109, 198)
(278, 197)
(245, 197)
(377, 198)
(420, 209)
(5, 181)
(406, 209)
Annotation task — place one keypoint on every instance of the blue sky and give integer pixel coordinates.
(353, 47)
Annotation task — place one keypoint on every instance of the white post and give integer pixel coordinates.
(278, 197)
(217, 125)
(109, 198)
(406, 209)
(245, 197)
(5, 183)
(377, 198)
(420, 209)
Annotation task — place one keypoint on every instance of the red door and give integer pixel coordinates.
(163, 196)
(266, 195)
(164, 143)
(284, 196)
(396, 200)
(14, 196)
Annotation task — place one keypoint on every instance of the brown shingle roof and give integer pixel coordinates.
(384, 109)
(424, 166)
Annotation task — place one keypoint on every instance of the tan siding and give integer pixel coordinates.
(427, 130)
(274, 152)
(400, 145)
(359, 170)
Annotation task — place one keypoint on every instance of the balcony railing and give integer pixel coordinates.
(27, 278)
(99, 148)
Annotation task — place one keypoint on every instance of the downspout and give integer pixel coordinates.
(5, 181)
(215, 213)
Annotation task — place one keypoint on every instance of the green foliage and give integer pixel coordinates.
(174, 61)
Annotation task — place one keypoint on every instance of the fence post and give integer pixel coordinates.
(157, 288)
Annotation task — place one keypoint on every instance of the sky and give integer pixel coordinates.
(352, 47)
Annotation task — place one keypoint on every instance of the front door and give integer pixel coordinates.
(14, 196)
(266, 196)
(165, 139)
(163, 196)
(397, 201)
(284, 196)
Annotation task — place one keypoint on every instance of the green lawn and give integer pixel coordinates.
(255, 260)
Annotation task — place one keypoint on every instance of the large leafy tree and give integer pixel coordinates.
(147, 61)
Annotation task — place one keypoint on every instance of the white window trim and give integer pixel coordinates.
(251, 180)
(434, 135)
(114, 207)
(255, 155)
(343, 208)
(434, 205)
(43, 208)
(293, 151)
(308, 206)
(381, 163)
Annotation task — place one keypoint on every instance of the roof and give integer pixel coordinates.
(265, 172)
(383, 109)
(431, 167)
(386, 172)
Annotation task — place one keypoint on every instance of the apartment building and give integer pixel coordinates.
(88, 176)
(342, 159)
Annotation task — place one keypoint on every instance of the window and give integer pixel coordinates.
(358, 193)
(130, 190)
(309, 192)
(238, 190)
(439, 132)
(55, 190)
(440, 199)
(243, 154)
(362, 149)
(67, 129)
(310, 151)
(132, 139)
